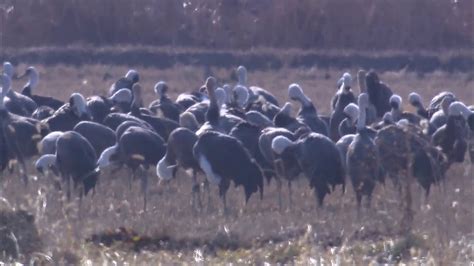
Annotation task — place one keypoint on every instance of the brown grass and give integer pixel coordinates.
(241, 24)
(442, 231)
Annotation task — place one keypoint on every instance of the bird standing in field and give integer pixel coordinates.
(29, 87)
(363, 165)
(342, 98)
(319, 160)
(307, 113)
(224, 160)
(75, 159)
(138, 148)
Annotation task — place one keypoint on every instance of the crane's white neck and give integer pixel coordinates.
(164, 171)
(33, 79)
(363, 103)
(362, 118)
(8, 69)
(5, 86)
(242, 76)
(104, 159)
(46, 161)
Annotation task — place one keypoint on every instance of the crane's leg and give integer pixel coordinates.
(68, 187)
(290, 195)
(130, 179)
(144, 179)
(359, 203)
(13, 145)
(208, 192)
(279, 173)
(280, 201)
(196, 192)
(223, 187)
(81, 194)
(224, 201)
(23, 171)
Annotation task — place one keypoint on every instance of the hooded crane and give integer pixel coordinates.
(396, 103)
(348, 129)
(114, 120)
(436, 103)
(42, 112)
(284, 167)
(186, 100)
(254, 92)
(319, 160)
(14, 102)
(404, 150)
(75, 159)
(452, 137)
(99, 136)
(66, 117)
(168, 108)
(371, 112)
(362, 158)
(236, 101)
(342, 98)
(307, 113)
(468, 113)
(188, 120)
(283, 119)
(48, 144)
(8, 69)
(33, 78)
(126, 82)
(19, 136)
(199, 110)
(179, 153)
(379, 93)
(138, 148)
(430, 164)
(440, 117)
(224, 159)
(258, 118)
(344, 86)
(215, 120)
(348, 125)
(100, 106)
(415, 100)
(162, 126)
(249, 135)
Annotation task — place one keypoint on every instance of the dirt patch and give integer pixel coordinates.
(128, 239)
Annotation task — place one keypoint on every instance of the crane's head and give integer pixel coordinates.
(8, 69)
(395, 101)
(132, 75)
(161, 88)
(241, 95)
(79, 106)
(352, 111)
(121, 96)
(280, 143)
(415, 99)
(242, 75)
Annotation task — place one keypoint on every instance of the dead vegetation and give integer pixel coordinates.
(19, 237)
(241, 24)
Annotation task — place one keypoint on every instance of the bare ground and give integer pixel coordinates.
(172, 232)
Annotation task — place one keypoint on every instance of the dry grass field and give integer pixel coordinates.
(171, 232)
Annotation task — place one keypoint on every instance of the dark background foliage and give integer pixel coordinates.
(241, 24)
